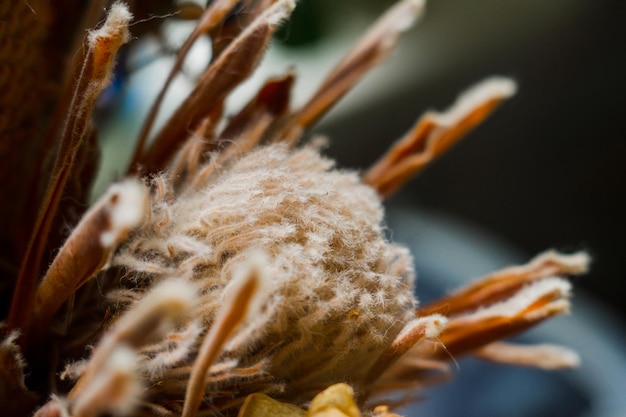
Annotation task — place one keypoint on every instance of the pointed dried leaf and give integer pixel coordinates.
(231, 68)
(434, 133)
(504, 283)
(539, 356)
(373, 47)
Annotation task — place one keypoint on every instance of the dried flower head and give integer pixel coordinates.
(234, 272)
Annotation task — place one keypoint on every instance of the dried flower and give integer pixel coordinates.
(238, 273)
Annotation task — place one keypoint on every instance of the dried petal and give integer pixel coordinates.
(434, 133)
(240, 297)
(212, 16)
(499, 285)
(373, 47)
(533, 304)
(232, 67)
(89, 247)
(539, 356)
(115, 388)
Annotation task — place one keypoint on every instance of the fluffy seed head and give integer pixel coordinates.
(337, 292)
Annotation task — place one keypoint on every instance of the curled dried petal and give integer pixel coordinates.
(89, 247)
(435, 133)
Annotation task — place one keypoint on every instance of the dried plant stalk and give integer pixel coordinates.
(189, 158)
(114, 390)
(272, 99)
(12, 377)
(153, 317)
(224, 34)
(95, 76)
(248, 128)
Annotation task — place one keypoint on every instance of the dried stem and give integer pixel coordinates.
(195, 151)
(102, 47)
(91, 16)
(15, 395)
(190, 156)
(434, 134)
(248, 139)
(410, 373)
(247, 128)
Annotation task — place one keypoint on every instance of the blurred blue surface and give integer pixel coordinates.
(449, 253)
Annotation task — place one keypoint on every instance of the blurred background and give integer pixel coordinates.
(547, 170)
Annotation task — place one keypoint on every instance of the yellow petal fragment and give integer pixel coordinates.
(260, 405)
(335, 401)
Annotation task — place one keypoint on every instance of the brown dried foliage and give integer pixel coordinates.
(38, 120)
